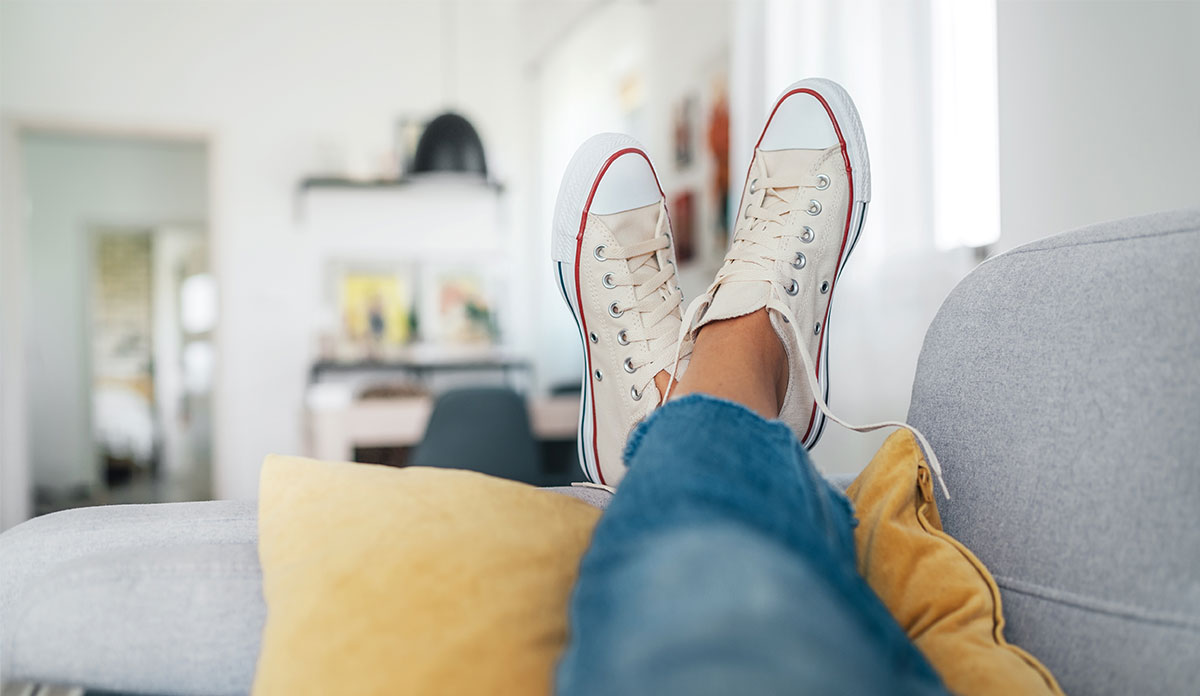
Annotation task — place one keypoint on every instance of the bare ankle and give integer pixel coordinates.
(740, 359)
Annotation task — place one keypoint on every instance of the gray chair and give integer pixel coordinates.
(484, 429)
(1059, 385)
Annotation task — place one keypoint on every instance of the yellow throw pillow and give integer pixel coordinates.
(939, 592)
(412, 581)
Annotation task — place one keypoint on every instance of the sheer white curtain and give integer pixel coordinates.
(923, 75)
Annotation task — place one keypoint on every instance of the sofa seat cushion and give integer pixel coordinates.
(134, 598)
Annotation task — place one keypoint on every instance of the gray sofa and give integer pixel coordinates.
(1059, 385)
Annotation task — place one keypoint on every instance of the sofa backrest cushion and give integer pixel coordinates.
(1059, 385)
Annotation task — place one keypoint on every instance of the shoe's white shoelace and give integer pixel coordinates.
(753, 257)
(657, 299)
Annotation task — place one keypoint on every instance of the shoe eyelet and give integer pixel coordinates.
(622, 338)
(599, 375)
(817, 329)
(753, 190)
(814, 207)
(598, 252)
(592, 335)
(629, 366)
(807, 235)
(746, 215)
(614, 312)
(635, 394)
(794, 288)
(800, 261)
(607, 281)
(785, 319)
(822, 182)
(824, 286)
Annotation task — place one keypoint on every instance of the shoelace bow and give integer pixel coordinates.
(657, 301)
(753, 257)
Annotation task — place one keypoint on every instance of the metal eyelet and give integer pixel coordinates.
(822, 182)
(746, 215)
(824, 286)
(635, 394)
(800, 261)
(752, 183)
(814, 207)
(614, 312)
(598, 252)
(599, 375)
(607, 281)
(807, 235)
(622, 338)
(817, 329)
(793, 288)
(592, 335)
(629, 366)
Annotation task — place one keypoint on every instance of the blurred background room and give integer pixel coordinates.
(236, 227)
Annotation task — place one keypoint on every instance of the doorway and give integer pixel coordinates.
(119, 319)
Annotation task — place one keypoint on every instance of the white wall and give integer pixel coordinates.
(281, 90)
(16, 499)
(1099, 112)
(74, 184)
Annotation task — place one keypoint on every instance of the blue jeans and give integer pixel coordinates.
(725, 565)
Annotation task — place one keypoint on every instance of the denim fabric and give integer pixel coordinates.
(725, 565)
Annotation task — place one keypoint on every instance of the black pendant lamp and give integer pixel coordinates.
(450, 144)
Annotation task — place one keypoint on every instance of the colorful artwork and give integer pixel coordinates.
(464, 313)
(685, 128)
(718, 147)
(683, 225)
(377, 308)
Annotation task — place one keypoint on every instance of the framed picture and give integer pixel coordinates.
(683, 225)
(718, 149)
(458, 306)
(374, 304)
(684, 132)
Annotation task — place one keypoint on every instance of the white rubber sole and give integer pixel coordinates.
(849, 128)
(570, 214)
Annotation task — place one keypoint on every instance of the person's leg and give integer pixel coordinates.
(740, 360)
(725, 563)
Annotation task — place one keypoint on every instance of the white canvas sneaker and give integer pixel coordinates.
(615, 265)
(801, 213)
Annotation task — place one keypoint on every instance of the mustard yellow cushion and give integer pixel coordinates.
(412, 581)
(942, 595)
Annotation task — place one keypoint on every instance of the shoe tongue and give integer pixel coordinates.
(792, 165)
(632, 226)
(736, 298)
